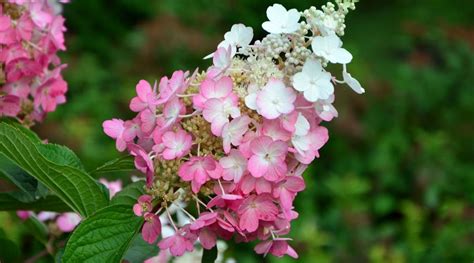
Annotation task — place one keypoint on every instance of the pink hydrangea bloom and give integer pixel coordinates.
(146, 97)
(23, 215)
(179, 243)
(151, 228)
(9, 105)
(255, 208)
(233, 166)
(218, 111)
(211, 89)
(113, 186)
(143, 206)
(277, 248)
(68, 221)
(177, 144)
(233, 132)
(232, 140)
(198, 171)
(268, 158)
(31, 33)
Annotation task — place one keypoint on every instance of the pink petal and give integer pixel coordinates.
(249, 220)
(258, 166)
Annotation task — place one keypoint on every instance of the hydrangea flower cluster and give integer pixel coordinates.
(234, 140)
(31, 33)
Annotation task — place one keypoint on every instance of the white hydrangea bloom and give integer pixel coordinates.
(281, 20)
(352, 82)
(330, 48)
(238, 36)
(313, 81)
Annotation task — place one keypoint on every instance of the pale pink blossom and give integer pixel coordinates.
(234, 165)
(68, 221)
(275, 130)
(146, 98)
(39, 16)
(114, 128)
(172, 110)
(169, 88)
(232, 132)
(113, 186)
(255, 208)
(179, 243)
(211, 89)
(275, 99)
(260, 185)
(307, 146)
(278, 248)
(222, 58)
(286, 190)
(218, 112)
(177, 144)
(197, 171)
(268, 159)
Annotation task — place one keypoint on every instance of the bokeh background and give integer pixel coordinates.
(395, 183)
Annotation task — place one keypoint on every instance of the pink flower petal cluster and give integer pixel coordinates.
(234, 140)
(254, 175)
(31, 85)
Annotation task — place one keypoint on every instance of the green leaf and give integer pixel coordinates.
(27, 132)
(122, 164)
(140, 250)
(75, 187)
(59, 256)
(10, 252)
(129, 194)
(30, 188)
(10, 202)
(210, 255)
(103, 237)
(61, 155)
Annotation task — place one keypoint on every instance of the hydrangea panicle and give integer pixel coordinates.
(31, 33)
(235, 139)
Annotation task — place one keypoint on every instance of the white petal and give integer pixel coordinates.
(301, 143)
(301, 125)
(275, 12)
(300, 81)
(333, 41)
(352, 82)
(340, 55)
(251, 101)
(311, 66)
(293, 16)
(311, 94)
(318, 45)
(271, 27)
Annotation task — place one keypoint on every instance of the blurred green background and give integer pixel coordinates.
(395, 183)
